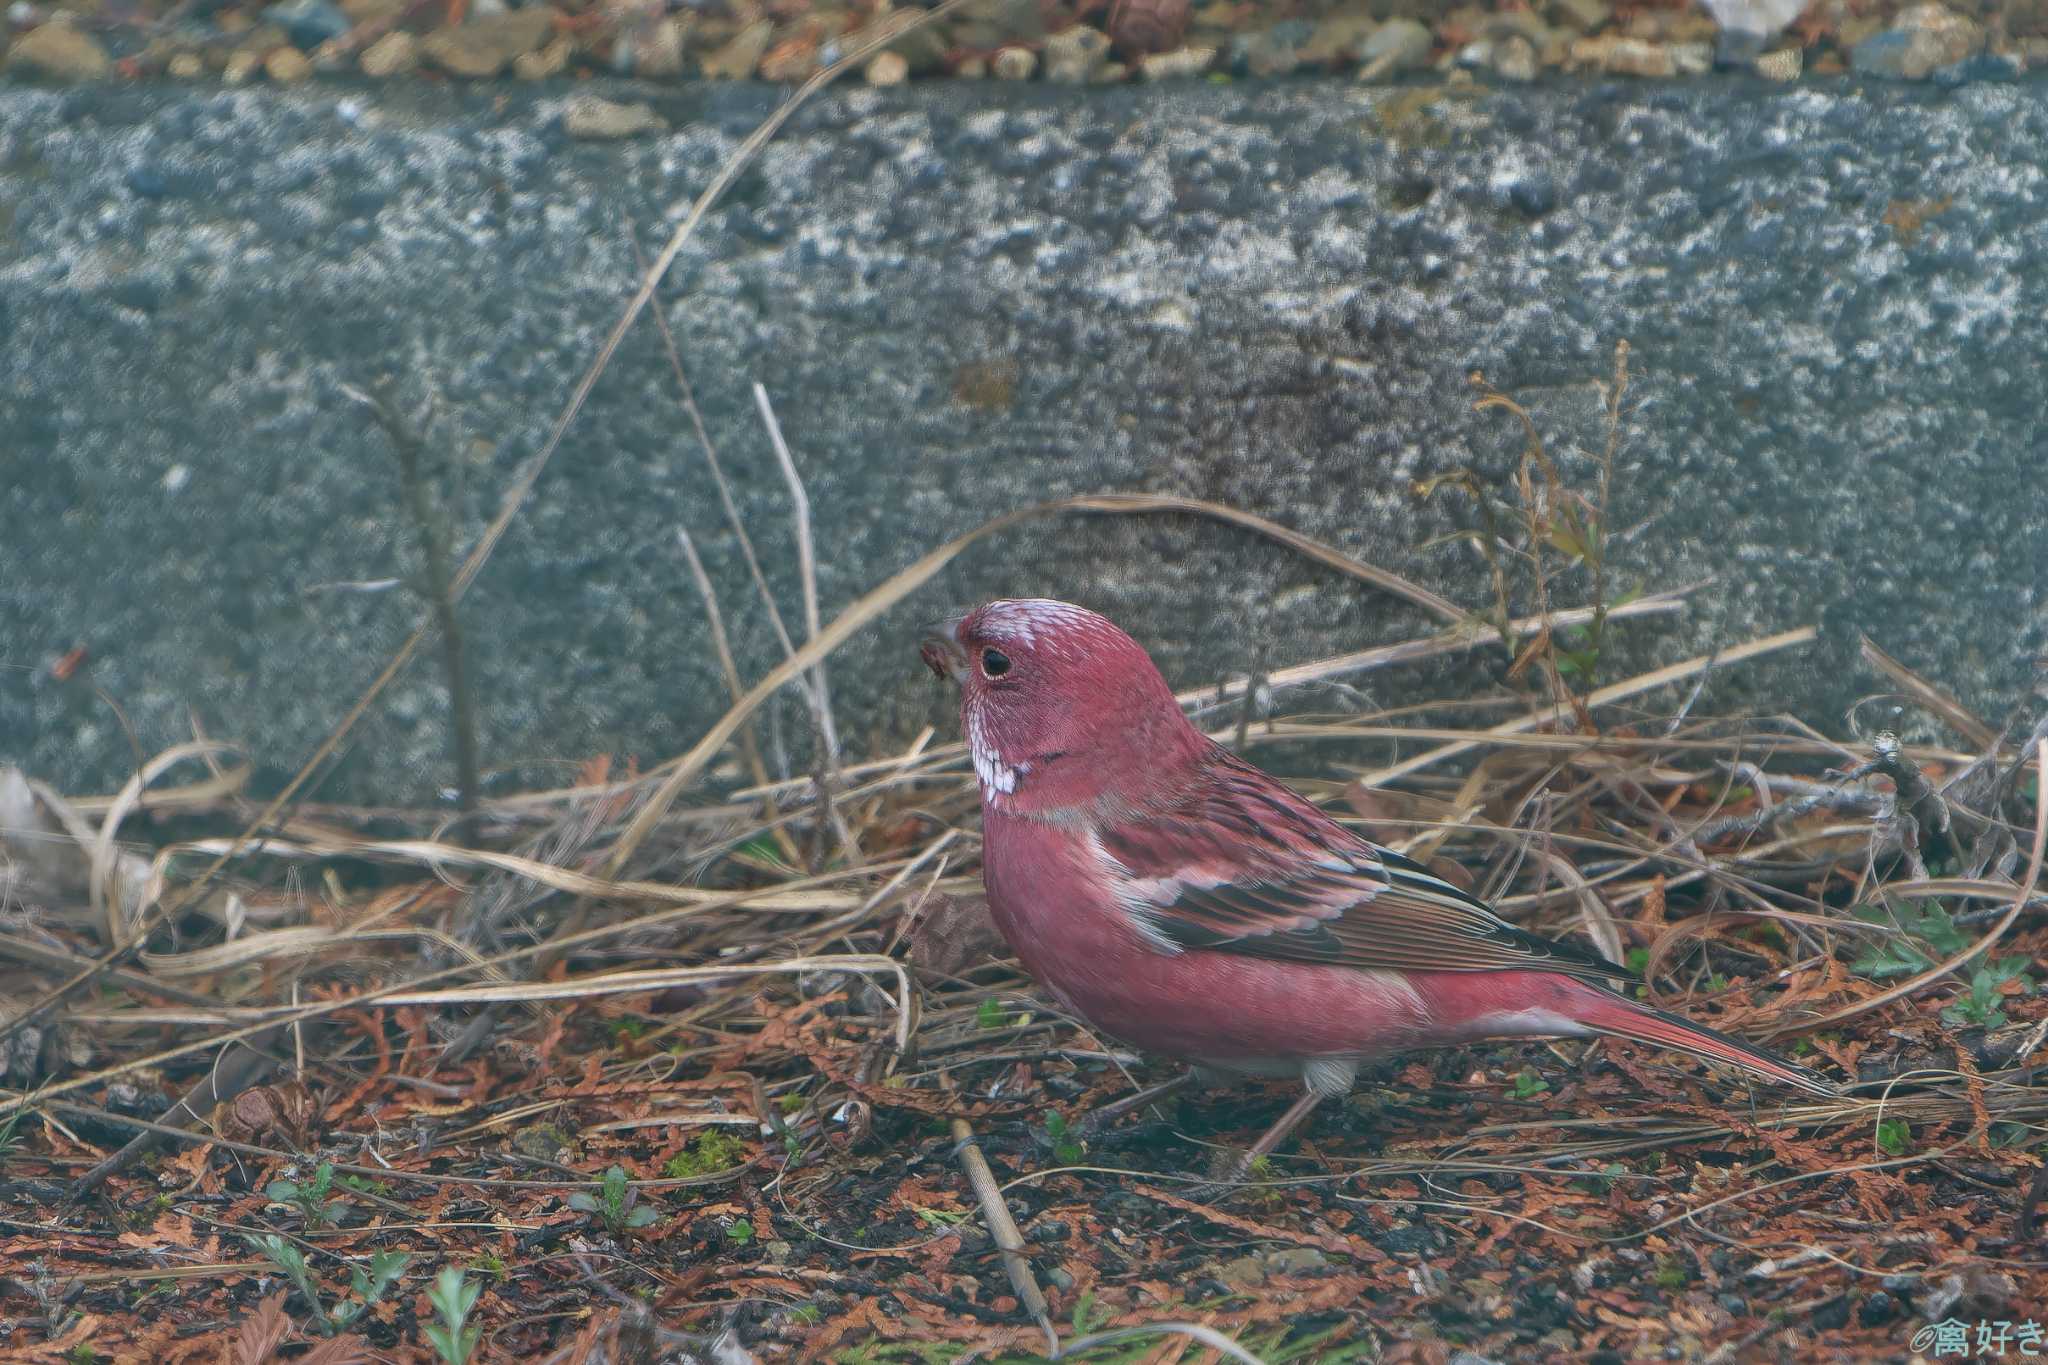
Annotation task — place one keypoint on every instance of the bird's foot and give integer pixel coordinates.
(1228, 1173)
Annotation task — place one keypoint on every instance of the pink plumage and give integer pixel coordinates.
(1179, 899)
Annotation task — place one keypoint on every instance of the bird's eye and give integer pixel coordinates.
(994, 662)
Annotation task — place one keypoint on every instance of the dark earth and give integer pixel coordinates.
(963, 298)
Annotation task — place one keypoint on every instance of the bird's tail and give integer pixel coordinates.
(1622, 1018)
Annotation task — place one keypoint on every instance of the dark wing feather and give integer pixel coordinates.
(1244, 865)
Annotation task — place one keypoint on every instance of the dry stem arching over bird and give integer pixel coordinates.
(1179, 899)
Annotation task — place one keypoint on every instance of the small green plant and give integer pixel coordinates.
(711, 1151)
(627, 1029)
(1065, 1149)
(1983, 1006)
(990, 1015)
(740, 1232)
(940, 1218)
(1894, 1136)
(452, 1297)
(1637, 960)
(1528, 1085)
(2009, 1134)
(369, 1286)
(81, 1354)
(488, 1263)
(1672, 1274)
(616, 1204)
(1897, 954)
(9, 1135)
(363, 1184)
(309, 1197)
(1601, 1181)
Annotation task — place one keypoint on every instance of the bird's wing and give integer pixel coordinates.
(1245, 865)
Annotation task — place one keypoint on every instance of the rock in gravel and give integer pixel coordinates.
(887, 68)
(588, 116)
(1013, 64)
(1183, 62)
(1623, 56)
(1073, 56)
(653, 48)
(549, 62)
(483, 48)
(309, 23)
(1394, 47)
(1269, 52)
(1782, 65)
(737, 60)
(1340, 38)
(286, 65)
(392, 55)
(1920, 41)
(58, 51)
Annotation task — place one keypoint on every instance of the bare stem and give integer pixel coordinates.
(438, 585)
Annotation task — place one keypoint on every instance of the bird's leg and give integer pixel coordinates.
(1265, 1146)
(1099, 1119)
(1321, 1079)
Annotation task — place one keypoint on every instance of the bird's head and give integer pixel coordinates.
(1061, 709)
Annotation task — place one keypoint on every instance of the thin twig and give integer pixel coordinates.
(819, 695)
(1003, 1228)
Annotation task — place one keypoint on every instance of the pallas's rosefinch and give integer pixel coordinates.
(1176, 897)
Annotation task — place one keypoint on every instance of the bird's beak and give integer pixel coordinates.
(941, 649)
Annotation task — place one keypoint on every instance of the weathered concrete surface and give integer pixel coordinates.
(965, 297)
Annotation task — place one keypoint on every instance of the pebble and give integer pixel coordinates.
(1074, 56)
(1167, 66)
(791, 61)
(1782, 65)
(309, 23)
(1512, 58)
(1295, 1260)
(1013, 64)
(984, 25)
(1692, 59)
(185, 66)
(286, 65)
(1395, 46)
(549, 62)
(923, 47)
(242, 63)
(1584, 15)
(887, 68)
(1269, 52)
(971, 68)
(737, 60)
(587, 116)
(484, 47)
(57, 51)
(1341, 37)
(392, 55)
(1621, 56)
(1246, 1272)
(654, 48)
(1920, 41)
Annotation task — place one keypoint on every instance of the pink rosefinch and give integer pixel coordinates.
(1178, 898)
